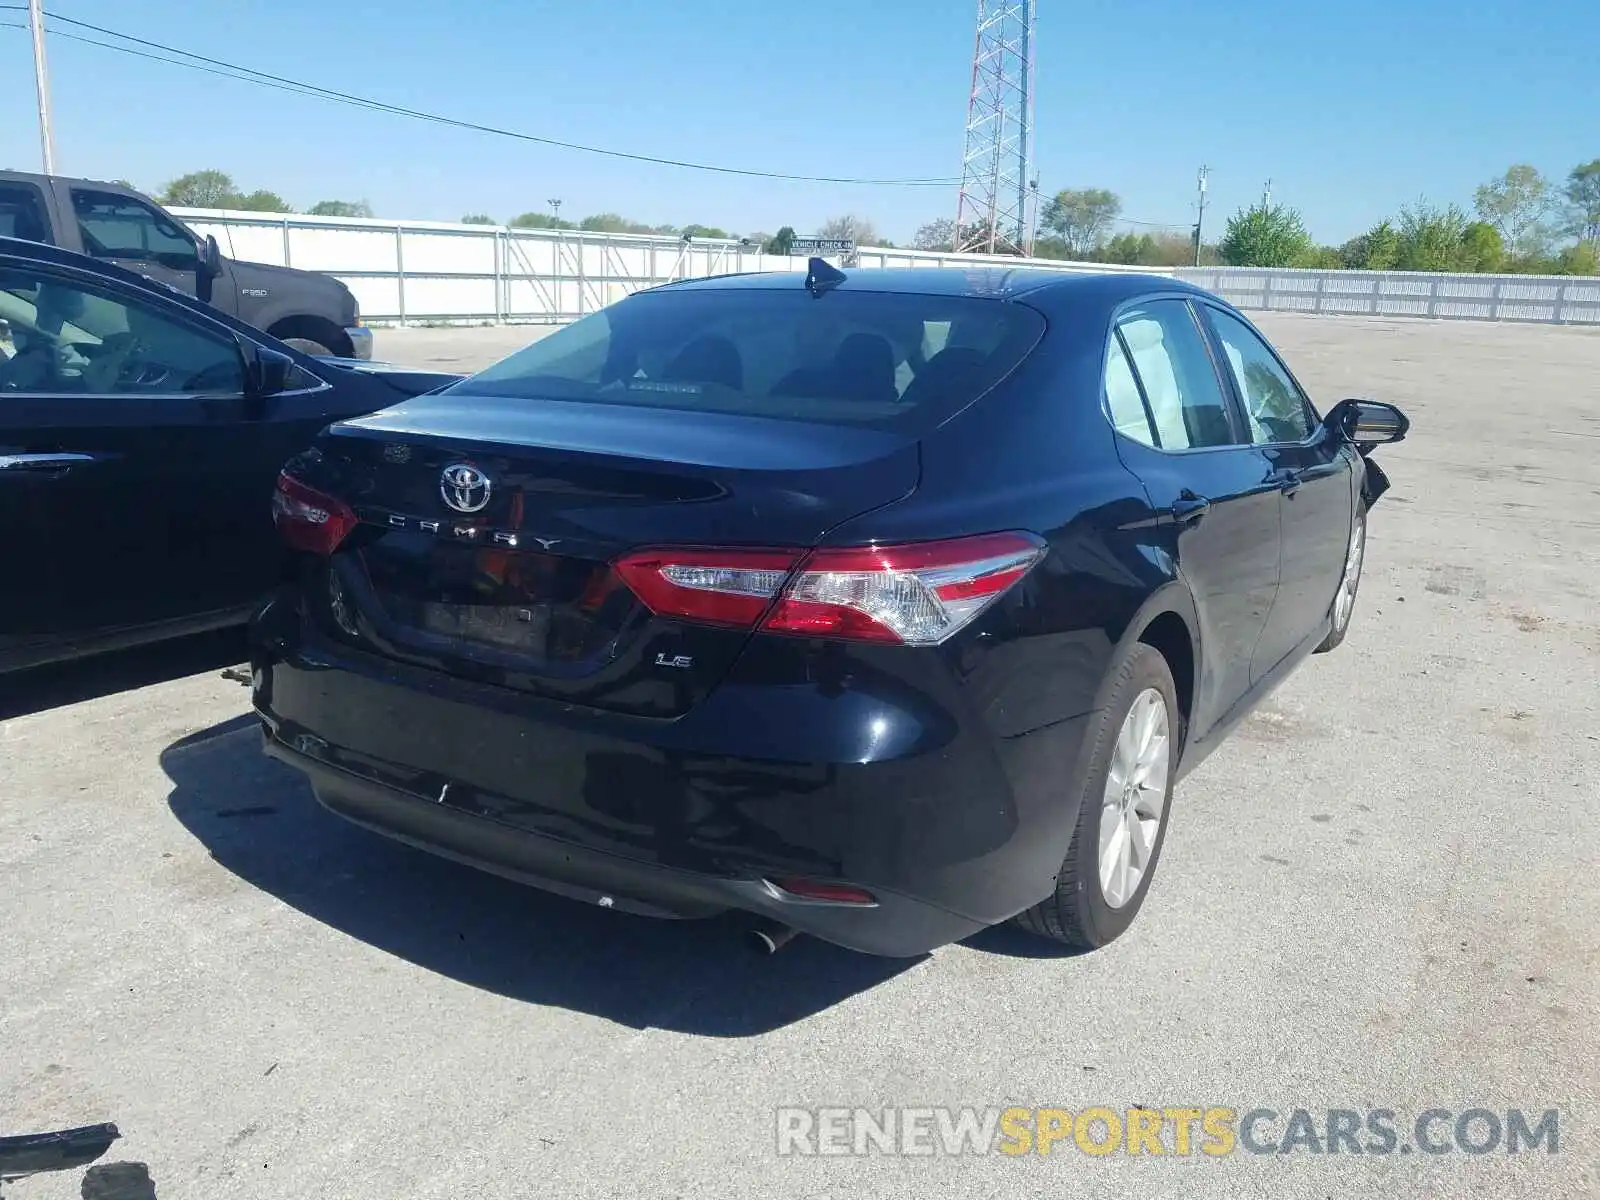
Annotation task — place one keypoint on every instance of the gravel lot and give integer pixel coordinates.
(1382, 893)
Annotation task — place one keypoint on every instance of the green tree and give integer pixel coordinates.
(782, 242)
(201, 189)
(1082, 218)
(1320, 258)
(1048, 245)
(1265, 236)
(478, 219)
(1130, 249)
(1172, 250)
(1582, 259)
(1432, 238)
(703, 231)
(1583, 197)
(1516, 204)
(858, 229)
(1378, 249)
(340, 208)
(539, 220)
(935, 235)
(261, 200)
(613, 223)
(1482, 248)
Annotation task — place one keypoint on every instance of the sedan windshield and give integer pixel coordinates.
(890, 360)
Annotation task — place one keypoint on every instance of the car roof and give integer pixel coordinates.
(977, 281)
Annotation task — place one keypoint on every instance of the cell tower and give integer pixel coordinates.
(992, 214)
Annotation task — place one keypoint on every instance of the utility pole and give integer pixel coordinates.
(1266, 195)
(1200, 219)
(41, 81)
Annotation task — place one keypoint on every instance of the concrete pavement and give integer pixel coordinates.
(1382, 893)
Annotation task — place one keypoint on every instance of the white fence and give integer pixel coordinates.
(426, 271)
(1561, 299)
(433, 271)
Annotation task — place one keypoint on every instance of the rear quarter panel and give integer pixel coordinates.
(1037, 454)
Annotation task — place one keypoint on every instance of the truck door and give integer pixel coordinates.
(126, 230)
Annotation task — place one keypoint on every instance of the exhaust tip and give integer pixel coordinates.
(769, 937)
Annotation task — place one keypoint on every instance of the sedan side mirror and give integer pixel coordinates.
(269, 372)
(1368, 422)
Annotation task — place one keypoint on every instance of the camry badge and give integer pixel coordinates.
(465, 488)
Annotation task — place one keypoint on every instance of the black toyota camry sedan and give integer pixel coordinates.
(140, 434)
(883, 605)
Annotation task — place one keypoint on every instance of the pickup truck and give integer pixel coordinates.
(314, 313)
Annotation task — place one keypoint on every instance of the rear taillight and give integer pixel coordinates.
(713, 587)
(308, 519)
(916, 595)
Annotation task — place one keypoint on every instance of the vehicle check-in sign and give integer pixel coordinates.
(822, 245)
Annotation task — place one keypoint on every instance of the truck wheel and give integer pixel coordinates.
(307, 346)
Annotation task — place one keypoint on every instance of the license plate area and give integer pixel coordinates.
(512, 626)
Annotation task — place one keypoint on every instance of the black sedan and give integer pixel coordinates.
(140, 434)
(885, 605)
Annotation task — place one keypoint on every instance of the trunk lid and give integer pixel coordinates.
(518, 591)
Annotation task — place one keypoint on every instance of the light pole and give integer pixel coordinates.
(555, 208)
(41, 81)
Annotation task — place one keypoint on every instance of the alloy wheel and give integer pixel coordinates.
(1345, 602)
(1135, 797)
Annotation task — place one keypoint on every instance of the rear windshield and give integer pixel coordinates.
(883, 359)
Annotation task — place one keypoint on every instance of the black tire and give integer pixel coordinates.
(307, 346)
(1077, 914)
(1338, 629)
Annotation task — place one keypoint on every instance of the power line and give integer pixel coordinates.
(215, 66)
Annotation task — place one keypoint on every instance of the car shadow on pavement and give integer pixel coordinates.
(42, 688)
(259, 820)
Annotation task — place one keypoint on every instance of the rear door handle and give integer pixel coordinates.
(44, 464)
(1189, 507)
(1289, 482)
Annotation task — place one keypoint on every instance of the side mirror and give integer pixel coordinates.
(210, 256)
(1368, 422)
(269, 372)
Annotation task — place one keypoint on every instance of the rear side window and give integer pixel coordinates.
(889, 360)
(22, 213)
(1181, 392)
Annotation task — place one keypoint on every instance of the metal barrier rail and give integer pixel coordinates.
(408, 272)
(440, 272)
(1556, 299)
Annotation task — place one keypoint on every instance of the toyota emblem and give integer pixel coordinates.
(465, 488)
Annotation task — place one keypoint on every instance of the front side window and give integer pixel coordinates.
(889, 360)
(66, 338)
(1276, 409)
(1169, 357)
(117, 226)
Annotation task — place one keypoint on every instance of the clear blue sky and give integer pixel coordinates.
(1352, 108)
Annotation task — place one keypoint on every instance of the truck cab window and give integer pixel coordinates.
(114, 226)
(22, 213)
